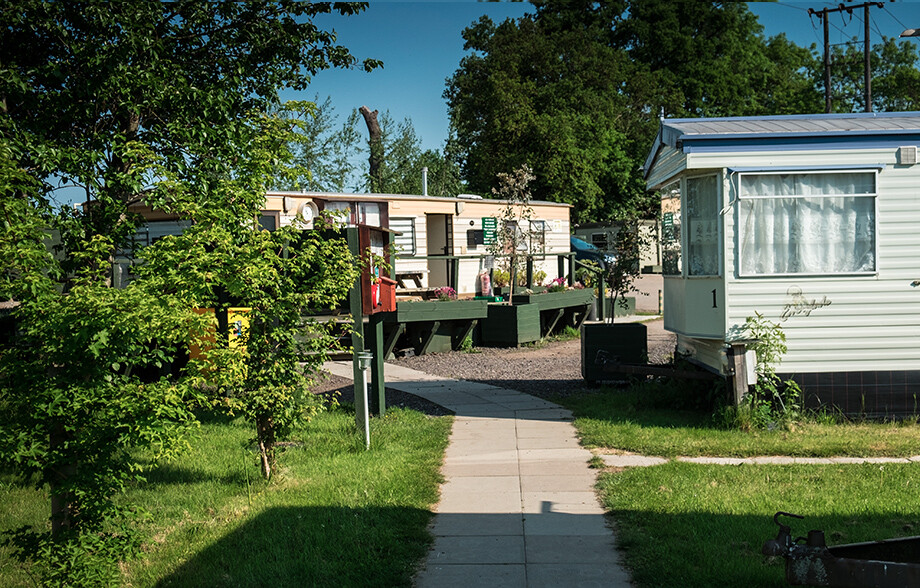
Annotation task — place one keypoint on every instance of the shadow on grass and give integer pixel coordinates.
(330, 546)
(645, 406)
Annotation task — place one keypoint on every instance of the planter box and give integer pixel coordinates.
(628, 342)
(510, 326)
(431, 326)
(409, 311)
(554, 300)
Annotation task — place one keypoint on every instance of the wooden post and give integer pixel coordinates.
(357, 313)
(377, 400)
(737, 354)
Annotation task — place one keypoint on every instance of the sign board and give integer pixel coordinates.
(489, 224)
(667, 222)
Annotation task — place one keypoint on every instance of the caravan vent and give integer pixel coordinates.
(907, 155)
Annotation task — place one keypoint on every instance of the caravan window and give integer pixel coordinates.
(807, 223)
(703, 226)
(537, 237)
(670, 230)
(405, 243)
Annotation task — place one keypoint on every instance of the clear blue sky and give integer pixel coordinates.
(420, 44)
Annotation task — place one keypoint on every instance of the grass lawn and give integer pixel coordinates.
(336, 515)
(625, 420)
(687, 525)
(684, 524)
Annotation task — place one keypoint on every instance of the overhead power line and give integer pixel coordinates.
(822, 14)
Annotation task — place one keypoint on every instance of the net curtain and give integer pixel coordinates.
(807, 223)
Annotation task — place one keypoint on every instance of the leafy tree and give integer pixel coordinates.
(324, 151)
(164, 103)
(327, 162)
(576, 90)
(265, 369)
(549, 98)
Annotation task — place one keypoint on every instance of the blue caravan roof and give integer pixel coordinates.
(699, 135)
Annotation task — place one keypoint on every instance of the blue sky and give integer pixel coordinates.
(420, 44)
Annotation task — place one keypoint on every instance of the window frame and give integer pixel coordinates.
(414, 235)
(807, 171)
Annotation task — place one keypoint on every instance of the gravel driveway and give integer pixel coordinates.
(551, 369)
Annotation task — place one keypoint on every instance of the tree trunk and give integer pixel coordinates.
(375, 139)
(62, 504)
(265, 434)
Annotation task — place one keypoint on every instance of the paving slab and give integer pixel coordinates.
(473, 575)
(477, 525)
(602, 575)
(497, 549)
(632, 461)
(568, 549)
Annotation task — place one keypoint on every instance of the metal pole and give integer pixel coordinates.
(827, 65)
(866, 52)
(362, 412)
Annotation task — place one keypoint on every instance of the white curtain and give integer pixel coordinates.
(703, 226)
(807, 223)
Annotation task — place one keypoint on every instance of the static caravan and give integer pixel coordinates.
(812, 221)
(432, 229)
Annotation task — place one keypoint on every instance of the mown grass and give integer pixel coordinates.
(335, 515)
(686, 525)
(683, 524)
(628, 420)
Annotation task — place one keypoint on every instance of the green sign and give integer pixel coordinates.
(489, 224)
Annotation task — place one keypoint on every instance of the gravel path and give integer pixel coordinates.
(551, 369)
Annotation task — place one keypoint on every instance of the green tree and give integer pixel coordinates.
(577, 89)
(324, 151)
(165, 103)
(334, 159)
(547, 97)
(400, 159)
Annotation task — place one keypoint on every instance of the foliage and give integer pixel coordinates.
(166, 103)
(576, 91)
(895, 77)
(281, 277)
(528, 93)
(500, 278)
(466, 346)
(324, 152)
(329, 157)
(773, 401)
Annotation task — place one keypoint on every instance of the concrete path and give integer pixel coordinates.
(518, 507)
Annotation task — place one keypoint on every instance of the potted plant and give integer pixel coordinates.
(626, 342)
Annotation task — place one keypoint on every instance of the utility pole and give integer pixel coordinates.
(822, 14)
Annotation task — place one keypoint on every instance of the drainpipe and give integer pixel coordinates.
(424, 181)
